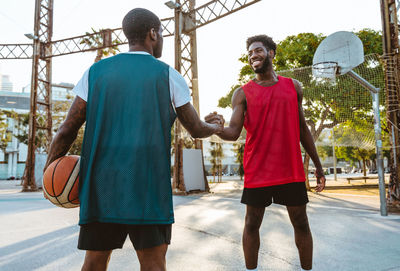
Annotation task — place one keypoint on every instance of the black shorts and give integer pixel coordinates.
(291, 194)
(109, 236)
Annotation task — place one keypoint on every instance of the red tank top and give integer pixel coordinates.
(272, 154)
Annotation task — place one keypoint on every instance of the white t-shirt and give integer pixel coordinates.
(179, 90)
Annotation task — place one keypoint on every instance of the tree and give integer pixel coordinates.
(347, 153)
(325, 105)
(297, 51)
(96, 40)
(355, 139)
(60, 111)
(238, 148)
(239, 151)
(22, 125)
(324, 151)
(217, 154)
(5, 133)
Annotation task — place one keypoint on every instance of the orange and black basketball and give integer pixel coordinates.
(61, 180)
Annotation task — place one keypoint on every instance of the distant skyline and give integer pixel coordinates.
(220, 43)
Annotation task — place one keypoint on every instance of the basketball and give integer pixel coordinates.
(61, 180)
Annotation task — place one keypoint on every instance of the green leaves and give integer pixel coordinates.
(216, 155)
(297, 51)
(5, 133)
(226, 101)
(95, 40)
(342, 104)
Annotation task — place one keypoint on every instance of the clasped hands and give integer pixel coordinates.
(215, 118)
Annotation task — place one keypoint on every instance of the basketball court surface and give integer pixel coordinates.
(348, 232)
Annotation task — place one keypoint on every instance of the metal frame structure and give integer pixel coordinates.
(391, 59)
(41, 101)
(183, 26)
(186, 64)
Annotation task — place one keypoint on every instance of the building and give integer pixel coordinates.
(228, 161)
(12, 159)
(5, 83)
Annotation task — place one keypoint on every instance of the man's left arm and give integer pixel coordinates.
(307, 140)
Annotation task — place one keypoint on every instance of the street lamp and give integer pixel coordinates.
(31, 36)
(172, 4)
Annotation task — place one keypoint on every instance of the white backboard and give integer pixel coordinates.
(343, 48)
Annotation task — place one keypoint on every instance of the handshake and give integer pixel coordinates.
(216, 119)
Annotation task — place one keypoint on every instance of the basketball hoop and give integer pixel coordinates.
(326, 69)
(339, 54)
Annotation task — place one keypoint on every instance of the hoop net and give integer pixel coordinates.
(327, 70)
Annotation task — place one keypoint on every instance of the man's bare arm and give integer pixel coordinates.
(68, 131)
(187, 115)
(232, 132)
(307, 140)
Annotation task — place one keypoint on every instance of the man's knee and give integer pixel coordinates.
(253, 221)
(152, 259)
(301, 224)
(299, 219)
(96, 260)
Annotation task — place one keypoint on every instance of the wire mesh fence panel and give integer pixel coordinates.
(343, 105)
(339, 114)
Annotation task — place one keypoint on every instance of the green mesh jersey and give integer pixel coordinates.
(125, 162)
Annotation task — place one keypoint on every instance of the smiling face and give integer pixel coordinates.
(259, 57)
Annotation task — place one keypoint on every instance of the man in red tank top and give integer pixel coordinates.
(270, 108)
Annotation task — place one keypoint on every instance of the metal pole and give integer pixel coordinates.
(193, 57)
(390, 38)
(363, 82)
(394, 148)
(195, 78)
(379, 154)
(177, 128)
(378, 137)
(29, 173)
(334, 155)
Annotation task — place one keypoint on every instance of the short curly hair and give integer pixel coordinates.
(264, 39)
(137, 23)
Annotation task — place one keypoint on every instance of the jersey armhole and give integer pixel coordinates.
(179, 85)
(294, 87)
(169, 92)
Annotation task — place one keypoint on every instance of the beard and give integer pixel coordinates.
(265, 65)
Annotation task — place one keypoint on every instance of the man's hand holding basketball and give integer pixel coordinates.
(319, 174)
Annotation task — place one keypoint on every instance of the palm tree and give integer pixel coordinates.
(216, 159)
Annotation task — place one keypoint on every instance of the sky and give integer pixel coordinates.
(220, 43)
